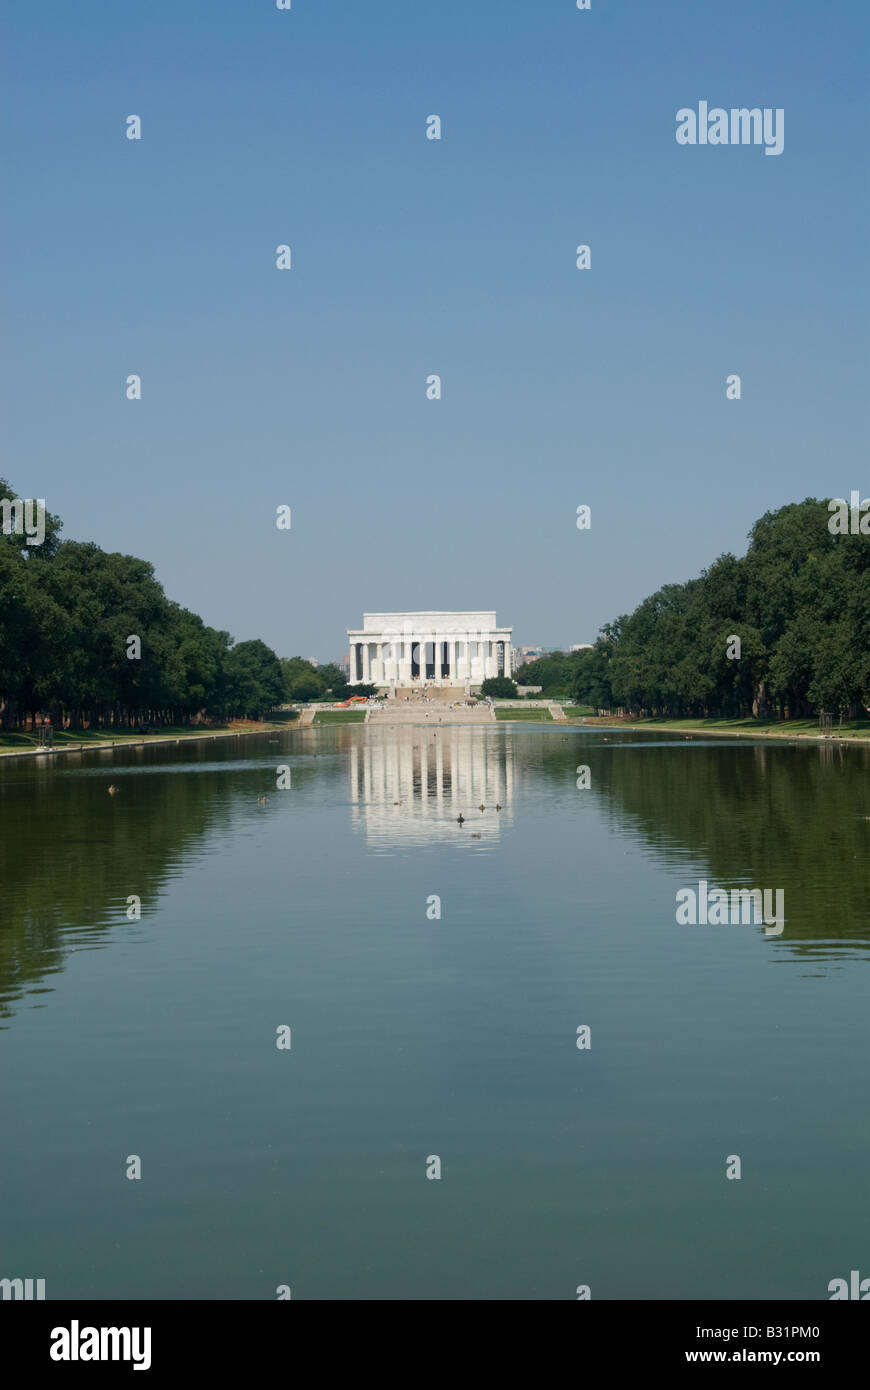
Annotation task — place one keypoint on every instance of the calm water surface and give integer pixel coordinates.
(414, 1036)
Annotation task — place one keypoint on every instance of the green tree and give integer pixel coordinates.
(499, 687)
(592, 677)
(302, 680)
(255, 681)
(332, 676)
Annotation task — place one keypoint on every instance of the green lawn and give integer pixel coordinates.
(577, 711)
(20, 743)
(786, 728)
(539, 716)
(340, 716)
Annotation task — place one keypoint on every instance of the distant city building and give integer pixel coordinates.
(581, 647)
(529, 654)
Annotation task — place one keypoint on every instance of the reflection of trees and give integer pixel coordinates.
(70, 854)
(767, 816)
(772, 815)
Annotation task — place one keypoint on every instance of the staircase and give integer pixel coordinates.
(434, 692)
(437, 713)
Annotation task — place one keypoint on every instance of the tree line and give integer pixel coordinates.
(68, 610)
(555, 672)
(304, 681)
(799, 603)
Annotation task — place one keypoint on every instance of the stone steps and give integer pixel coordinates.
(435, 692)
(436, 715)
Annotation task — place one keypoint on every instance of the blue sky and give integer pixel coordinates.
(411, 257)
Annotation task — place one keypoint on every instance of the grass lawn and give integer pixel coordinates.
(539, 716)
(786, 728)
(577, 711)
(340, 716)
(20, 743)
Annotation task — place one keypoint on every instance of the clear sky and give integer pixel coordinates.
(410, 257)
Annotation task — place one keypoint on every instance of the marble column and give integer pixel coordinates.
(365, 664)
(507, 658)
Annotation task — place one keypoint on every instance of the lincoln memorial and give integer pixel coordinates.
(412, 649)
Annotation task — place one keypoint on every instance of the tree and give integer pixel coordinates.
(255, 681)
(331, 675)
(302, 680)
(344, 692)
(592, 679)
(555, 672)
(499, 687)
(67, 613)
(799, 601)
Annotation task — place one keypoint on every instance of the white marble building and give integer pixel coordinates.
(404, 650)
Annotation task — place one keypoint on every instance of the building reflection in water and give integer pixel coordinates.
(410, 785)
